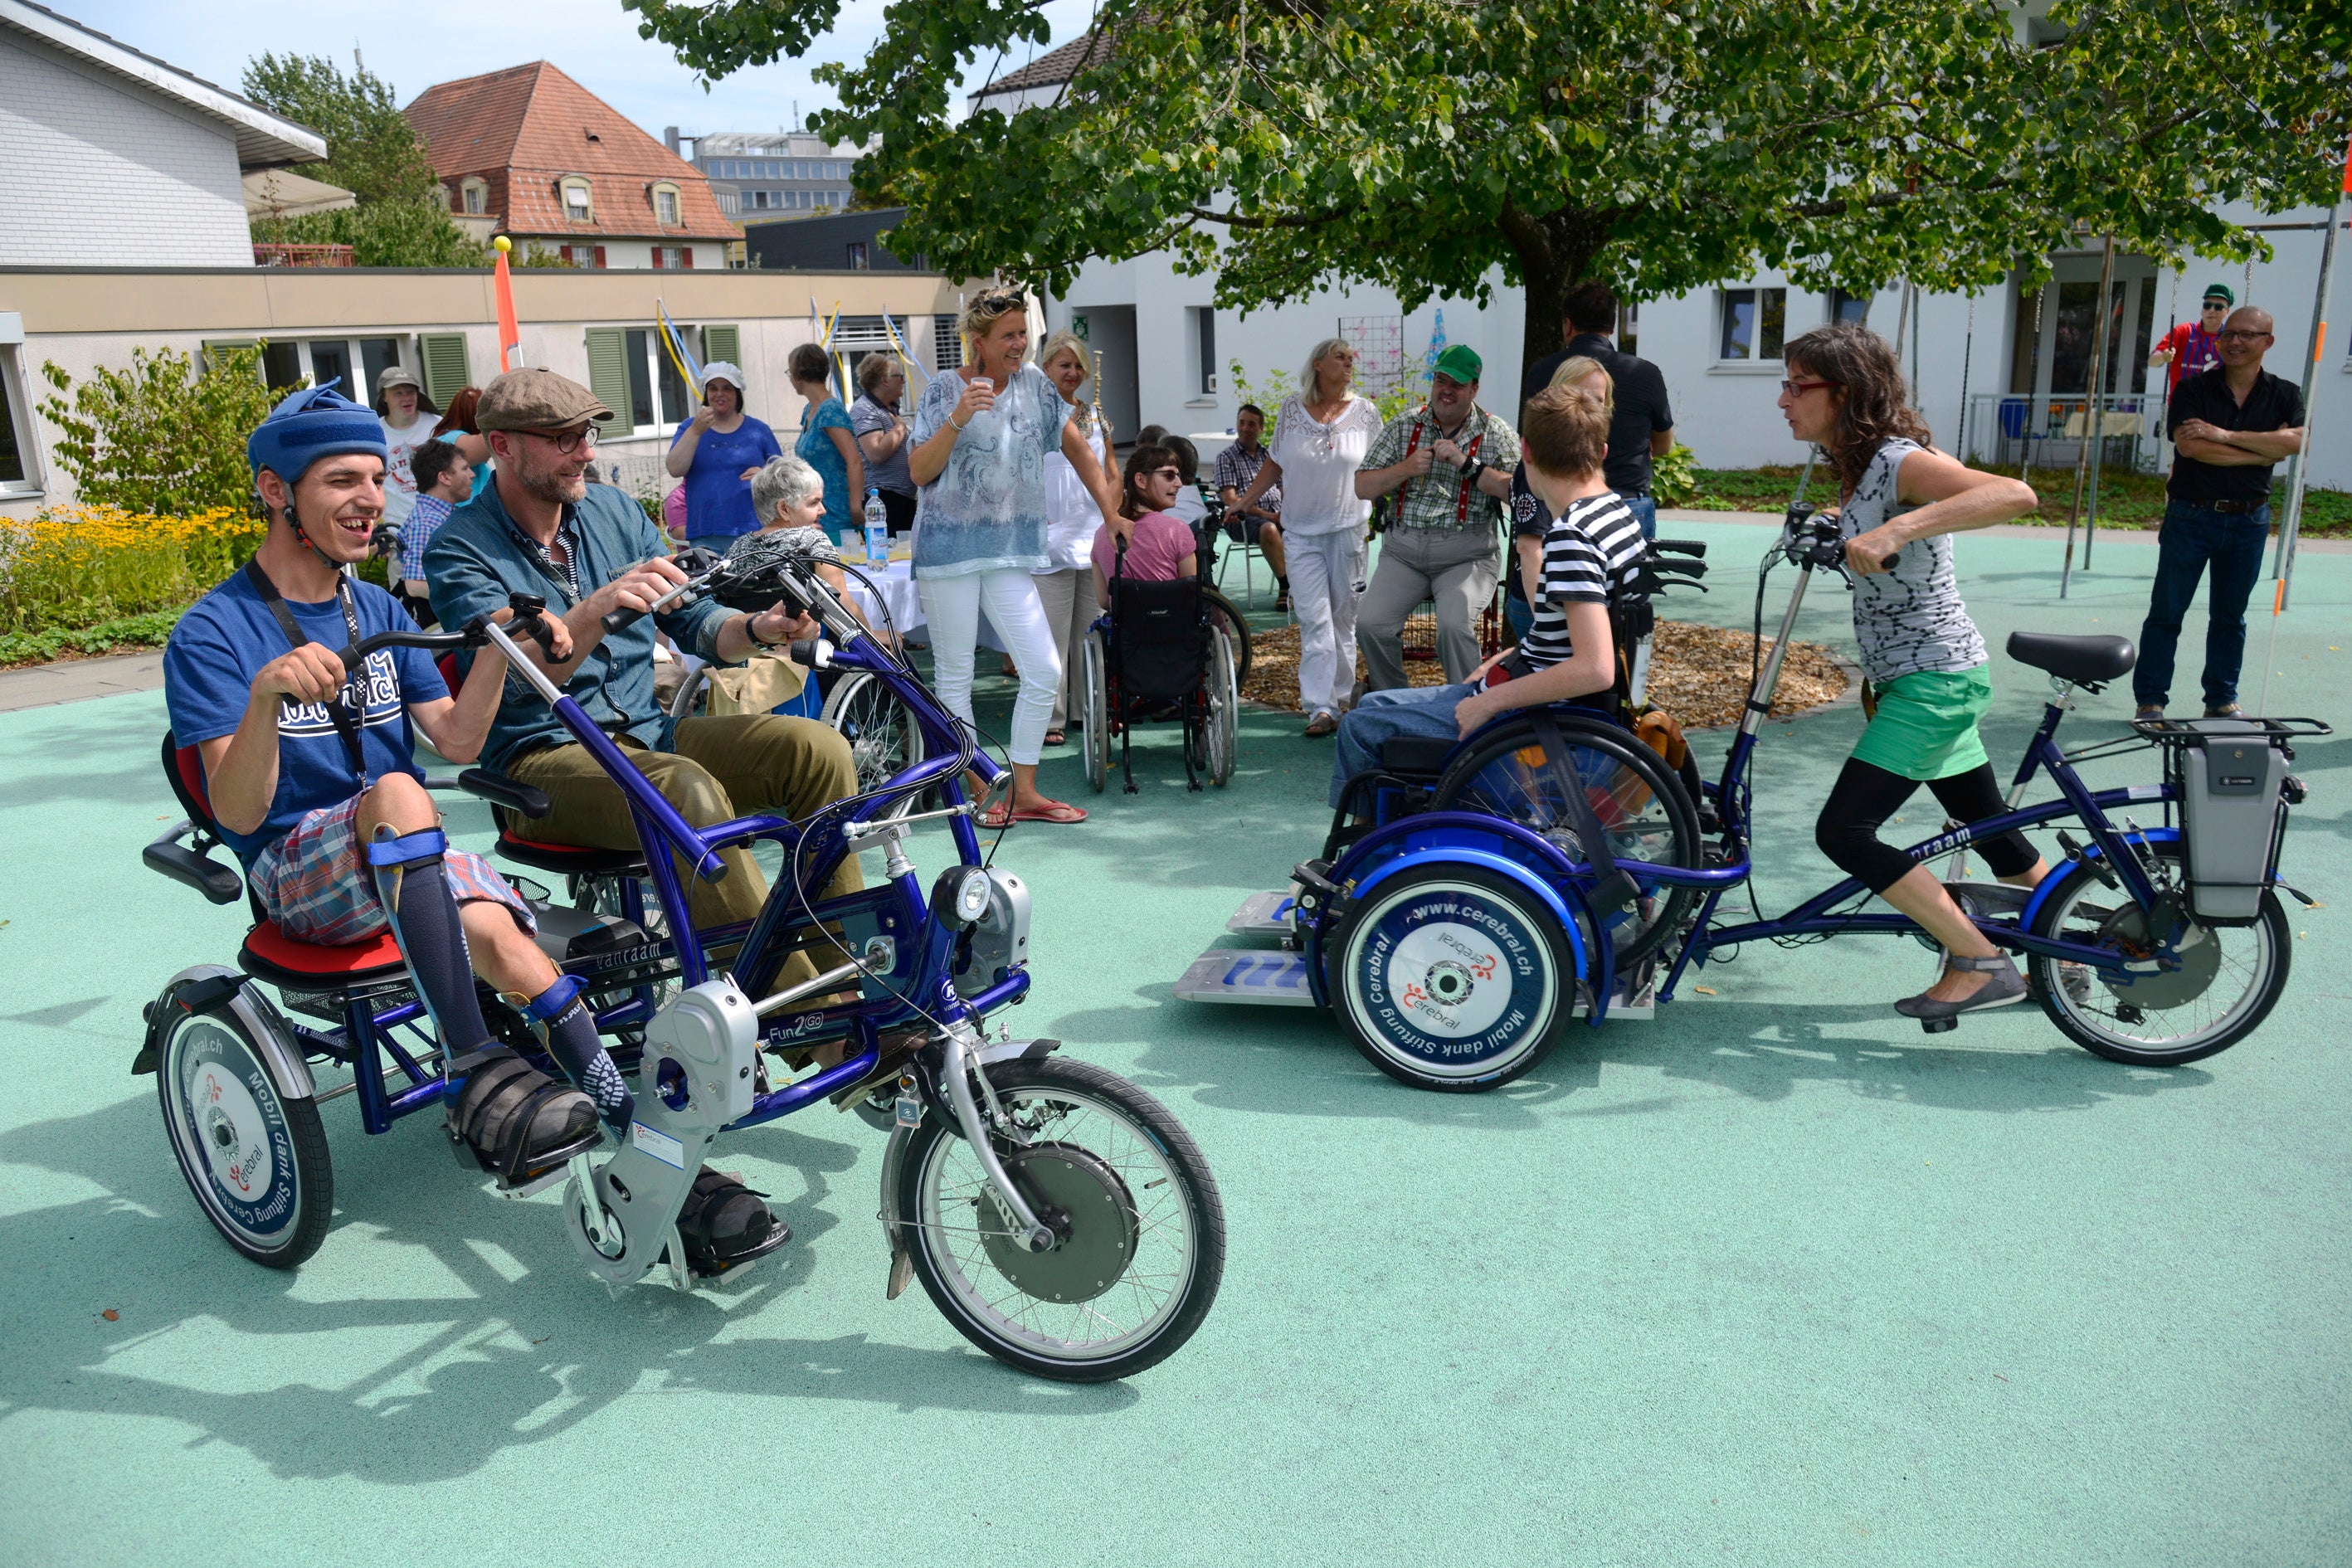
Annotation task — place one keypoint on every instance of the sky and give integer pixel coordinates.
(415, 42)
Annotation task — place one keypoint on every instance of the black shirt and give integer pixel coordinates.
(1640, 407)
(2273, 403)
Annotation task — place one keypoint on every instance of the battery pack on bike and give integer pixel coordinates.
(2231, 775)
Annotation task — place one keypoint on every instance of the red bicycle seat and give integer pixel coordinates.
(270, 954)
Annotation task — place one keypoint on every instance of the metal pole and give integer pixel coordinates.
(2100, 392)
(1806, 477)
(2025, 458)
(2284, 570)
(1968, 350)
(2090, 418)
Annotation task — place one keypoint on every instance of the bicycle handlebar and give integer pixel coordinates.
(530, 611)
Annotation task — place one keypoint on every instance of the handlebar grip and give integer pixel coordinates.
(1888, 561)
(622, 619)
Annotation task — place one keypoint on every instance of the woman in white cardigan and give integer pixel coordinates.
(1072, 519)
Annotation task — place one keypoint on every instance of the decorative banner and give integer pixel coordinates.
(674, 341)
(510, 329)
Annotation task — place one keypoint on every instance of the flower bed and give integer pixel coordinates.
(89, 578)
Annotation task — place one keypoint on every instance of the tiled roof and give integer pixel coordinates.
(1055, 66)
(523, 129)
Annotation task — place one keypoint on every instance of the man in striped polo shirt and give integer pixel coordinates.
(1589, 557)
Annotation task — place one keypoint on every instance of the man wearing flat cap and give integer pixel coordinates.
(588, 550)
(1445, 469)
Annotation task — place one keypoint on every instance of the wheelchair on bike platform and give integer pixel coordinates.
(1451, 942)
(1451, 922)
(1060, 1218)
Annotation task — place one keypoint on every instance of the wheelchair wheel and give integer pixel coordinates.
(1094, 692)
(1642, 806)
(883, 736)
(1222, 613)
(1224, 708)
(1451, 977)
(1144, 1246)
(256, 1162)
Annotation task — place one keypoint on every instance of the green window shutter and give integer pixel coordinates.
(608, 377)
(446, 372)
(722, 343)
(216, 349)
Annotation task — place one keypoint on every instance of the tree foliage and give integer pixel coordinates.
(372, 150)
(163, 435)
(1660, 145)
(405, 231)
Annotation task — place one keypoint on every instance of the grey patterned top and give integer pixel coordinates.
(1909, 619)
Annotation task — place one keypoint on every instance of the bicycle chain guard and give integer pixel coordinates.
(698, 1076)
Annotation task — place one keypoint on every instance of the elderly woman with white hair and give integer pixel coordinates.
(982, 433)
(716, 453)
(1320, 435)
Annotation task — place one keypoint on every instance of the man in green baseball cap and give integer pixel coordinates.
(2191, 347)
(1445, 471)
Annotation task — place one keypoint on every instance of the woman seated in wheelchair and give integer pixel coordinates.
(1590, 554)
(1159, 546)
(1900, 499)
(311, 782)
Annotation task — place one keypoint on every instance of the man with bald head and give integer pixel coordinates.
(2230, 425)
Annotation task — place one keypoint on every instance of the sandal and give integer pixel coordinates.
(519, 1122)
(1057, 738)
(2005, 986)
(1322, 724)
(724, 1225)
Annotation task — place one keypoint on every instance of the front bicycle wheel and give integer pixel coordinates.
(2229, 979)
(1637, 800)
(1140, 1227)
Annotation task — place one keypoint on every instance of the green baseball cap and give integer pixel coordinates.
(2220, 290)
(1461, 362)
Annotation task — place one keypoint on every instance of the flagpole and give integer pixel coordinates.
(2284, 568)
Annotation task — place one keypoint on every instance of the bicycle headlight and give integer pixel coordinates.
(960, 897)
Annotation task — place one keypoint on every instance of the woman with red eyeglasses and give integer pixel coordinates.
(1902, 500)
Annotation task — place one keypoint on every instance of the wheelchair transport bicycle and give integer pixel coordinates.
(2153, 946)
(1453, 929)
(1061, 1218)
(1159, 651)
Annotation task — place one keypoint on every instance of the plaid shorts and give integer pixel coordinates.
(315, 885)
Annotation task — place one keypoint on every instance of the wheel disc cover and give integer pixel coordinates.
(1448, 979)
(2200, 962)
(231, 1123)
(1087, 1204)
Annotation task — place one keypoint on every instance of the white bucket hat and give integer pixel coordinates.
(719, 370)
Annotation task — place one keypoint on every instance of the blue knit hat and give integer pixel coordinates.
(314, 423)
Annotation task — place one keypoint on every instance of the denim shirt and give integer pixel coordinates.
(479, 556)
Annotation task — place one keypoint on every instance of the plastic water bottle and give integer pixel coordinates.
(877, 529)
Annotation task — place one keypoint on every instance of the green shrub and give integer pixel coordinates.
(1674, 479)
(164, 435)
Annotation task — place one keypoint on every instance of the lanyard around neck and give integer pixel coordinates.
(340, 711)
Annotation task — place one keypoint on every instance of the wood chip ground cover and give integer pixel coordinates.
(1697, 673)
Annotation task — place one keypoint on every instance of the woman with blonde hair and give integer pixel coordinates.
(1320, 435)
(982, 433)
(1067, 586)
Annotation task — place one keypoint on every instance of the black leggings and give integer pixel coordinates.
(1867, 794)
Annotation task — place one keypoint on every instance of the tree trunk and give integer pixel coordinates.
(1555, 253)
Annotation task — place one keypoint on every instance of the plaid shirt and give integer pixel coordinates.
(429, 513)
(1236, 467)
(1435, 498)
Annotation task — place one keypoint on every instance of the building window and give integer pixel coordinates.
(1754, 322)
(1845, 307)
(665, 205)
(857, 262)
(1204, 349)
(584, 256)
(16, 431)
(629, 371)
(577, 204)
(947, 343)
(476, 196)
(673, 258)
(1629, 328)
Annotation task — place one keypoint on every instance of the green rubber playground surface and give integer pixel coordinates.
(1775, 1279)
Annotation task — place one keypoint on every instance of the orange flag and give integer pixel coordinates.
(509, 328)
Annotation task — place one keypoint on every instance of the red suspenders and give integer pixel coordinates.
(1461, 503)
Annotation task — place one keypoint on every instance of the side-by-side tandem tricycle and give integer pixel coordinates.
(1059, 1217)
(1553, 860)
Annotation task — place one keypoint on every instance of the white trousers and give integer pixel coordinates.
(952, 605)
(1324, 571)
(1069, 599)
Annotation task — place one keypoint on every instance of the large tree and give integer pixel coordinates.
(1661, 144)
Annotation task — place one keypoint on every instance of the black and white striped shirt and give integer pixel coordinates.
(1589, 558)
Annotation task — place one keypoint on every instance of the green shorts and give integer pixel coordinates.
(1925, 727)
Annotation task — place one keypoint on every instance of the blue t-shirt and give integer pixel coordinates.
(717, 498)
(221, 645)
(986, 510)
(817, 449)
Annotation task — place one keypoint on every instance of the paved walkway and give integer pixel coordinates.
(1773, 1280)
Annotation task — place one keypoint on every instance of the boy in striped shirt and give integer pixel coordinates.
(1587, 559)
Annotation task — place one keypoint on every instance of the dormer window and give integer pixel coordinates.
(578, 206)
(666, 204)
(474, 194)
